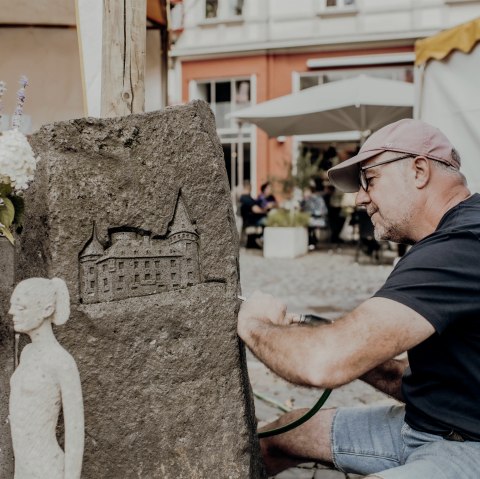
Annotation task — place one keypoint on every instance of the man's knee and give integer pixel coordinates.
(309, 440)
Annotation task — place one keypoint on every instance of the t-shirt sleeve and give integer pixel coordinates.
(439, 278)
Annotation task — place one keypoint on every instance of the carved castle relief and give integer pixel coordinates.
(137, 264)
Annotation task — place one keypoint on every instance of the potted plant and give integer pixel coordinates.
(286, 231)
(285, 234)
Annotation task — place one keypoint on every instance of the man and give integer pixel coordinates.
(252, 215)
(266, 199)
(407, 176)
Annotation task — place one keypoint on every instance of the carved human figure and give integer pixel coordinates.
(46, 380)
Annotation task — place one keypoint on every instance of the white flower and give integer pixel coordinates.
(17, 161)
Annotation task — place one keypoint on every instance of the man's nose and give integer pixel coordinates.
(362, 197)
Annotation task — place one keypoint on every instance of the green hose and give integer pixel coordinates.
(300, 420)
(306, 318)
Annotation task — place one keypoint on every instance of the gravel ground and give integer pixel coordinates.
(328, 283)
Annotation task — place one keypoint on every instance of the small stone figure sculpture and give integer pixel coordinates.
(46, 379)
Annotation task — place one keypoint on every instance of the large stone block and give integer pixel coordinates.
(135, 215)
(7, 349)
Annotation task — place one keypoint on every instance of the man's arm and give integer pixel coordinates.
(387, 377)
(257, 209)
(331, 355)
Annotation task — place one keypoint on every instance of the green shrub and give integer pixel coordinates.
(285, 218)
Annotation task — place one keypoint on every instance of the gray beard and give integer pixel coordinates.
(391, 233)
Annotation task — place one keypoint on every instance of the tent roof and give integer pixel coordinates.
(463, 37)
(59, 12)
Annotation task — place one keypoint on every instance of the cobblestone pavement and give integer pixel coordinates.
(328, 283)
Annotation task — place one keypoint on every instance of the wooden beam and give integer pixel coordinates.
(123, 57)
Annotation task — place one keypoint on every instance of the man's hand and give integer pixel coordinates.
(263, 308)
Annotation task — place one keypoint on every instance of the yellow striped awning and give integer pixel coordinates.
(463, 37)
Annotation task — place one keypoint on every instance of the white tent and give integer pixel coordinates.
(447, 80)
(362, 103)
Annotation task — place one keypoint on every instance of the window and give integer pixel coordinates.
(147, 264)
(226, 9)
(235, 8)
(92, 270)
(137, 278)
(225, 96)
(92, 284)
(120, 279)
(340, 3)
(172, 262)
(174, 275)
(120, 265)
(148, 276)
(400, 73)
(135, 264)
(211, 8)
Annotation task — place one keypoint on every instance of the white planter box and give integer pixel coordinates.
(280, 242)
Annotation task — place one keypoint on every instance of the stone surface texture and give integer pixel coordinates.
(7, 279)
(164, 378)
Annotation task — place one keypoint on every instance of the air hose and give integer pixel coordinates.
(300, 420)
(304, 318)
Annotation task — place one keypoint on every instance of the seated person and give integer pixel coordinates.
(266, 199)
(252, 215)
(250, 210)
(314, 204)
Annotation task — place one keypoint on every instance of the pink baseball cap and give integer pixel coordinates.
(406, 136)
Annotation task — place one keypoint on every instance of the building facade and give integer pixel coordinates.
(136, 264)
(234, 53)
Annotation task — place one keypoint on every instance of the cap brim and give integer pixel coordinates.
(344, 176)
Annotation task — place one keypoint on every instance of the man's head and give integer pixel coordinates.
(408, 137)
(398, 171)
(266, 189)
(247, 187)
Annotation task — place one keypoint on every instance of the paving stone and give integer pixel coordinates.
(296, 473)
(328, 474)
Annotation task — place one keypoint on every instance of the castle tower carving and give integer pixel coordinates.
(137, 264)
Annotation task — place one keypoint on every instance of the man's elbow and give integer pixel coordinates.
(328, 375)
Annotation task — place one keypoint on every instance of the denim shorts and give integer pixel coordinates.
(376, 440)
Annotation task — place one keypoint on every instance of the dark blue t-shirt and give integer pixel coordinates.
(440, 279)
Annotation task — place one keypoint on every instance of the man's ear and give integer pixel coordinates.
(423, 172)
